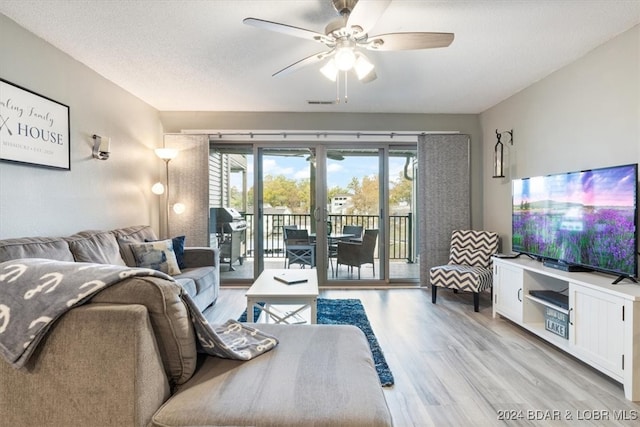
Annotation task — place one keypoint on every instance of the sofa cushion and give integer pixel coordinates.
(188, 285)
(169, 317)
(133, 234)
(319, 375)
(201, 283)
(95, 246)
(138, 233)
(157, 255)
(35, 247)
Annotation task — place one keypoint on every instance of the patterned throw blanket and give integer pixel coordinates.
(35, 292)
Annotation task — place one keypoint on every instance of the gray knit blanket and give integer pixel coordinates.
(35, 292)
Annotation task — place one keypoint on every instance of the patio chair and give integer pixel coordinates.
(356, 230)
(469, 268)
(284, 238)
(354, 254)
(298, 248)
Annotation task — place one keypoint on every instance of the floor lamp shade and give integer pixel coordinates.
(166, 153)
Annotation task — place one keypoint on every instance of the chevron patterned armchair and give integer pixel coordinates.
(469, 268)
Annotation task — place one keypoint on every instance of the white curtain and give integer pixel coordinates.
(444, 199)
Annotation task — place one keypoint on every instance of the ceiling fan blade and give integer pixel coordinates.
(285, 29)
(316, 57)
(366, 13)
(408, 41)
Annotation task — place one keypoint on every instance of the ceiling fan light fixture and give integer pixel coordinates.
(362, 66)
(345, 57)
(330, 70)
(347, 36)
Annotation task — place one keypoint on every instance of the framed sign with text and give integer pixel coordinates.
(33, 129)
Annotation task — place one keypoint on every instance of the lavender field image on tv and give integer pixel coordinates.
(586, 218)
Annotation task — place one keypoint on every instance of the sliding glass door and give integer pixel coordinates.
(353, 213)
(356, 204)
(402, 226)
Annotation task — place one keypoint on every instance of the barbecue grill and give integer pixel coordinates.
(229, 226)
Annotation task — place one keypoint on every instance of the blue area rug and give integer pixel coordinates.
(348, 312)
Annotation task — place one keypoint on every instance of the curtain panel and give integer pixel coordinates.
(444, 196)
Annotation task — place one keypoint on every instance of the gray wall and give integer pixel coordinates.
(585, 115)
(94, 194)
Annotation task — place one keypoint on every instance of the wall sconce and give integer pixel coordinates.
(101, 147)
(498, 154)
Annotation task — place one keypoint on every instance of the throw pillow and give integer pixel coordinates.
(156, 255)
(178, 249)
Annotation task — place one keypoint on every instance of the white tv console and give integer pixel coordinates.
(604, 319)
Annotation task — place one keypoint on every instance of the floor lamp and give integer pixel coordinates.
(166, 154)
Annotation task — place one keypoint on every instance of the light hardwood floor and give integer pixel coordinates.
(454, 367)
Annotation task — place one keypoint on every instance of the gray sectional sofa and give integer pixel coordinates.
(129, 356)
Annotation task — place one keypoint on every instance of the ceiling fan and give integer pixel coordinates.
(347, 35)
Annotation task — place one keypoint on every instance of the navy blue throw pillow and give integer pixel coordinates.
(178, 248)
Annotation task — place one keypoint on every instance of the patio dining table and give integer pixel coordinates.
(334, 236)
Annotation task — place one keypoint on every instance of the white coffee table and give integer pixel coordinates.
(270, 291)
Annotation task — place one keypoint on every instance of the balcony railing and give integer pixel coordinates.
(400, 231)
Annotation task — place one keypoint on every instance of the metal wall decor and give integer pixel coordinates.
(498, 154)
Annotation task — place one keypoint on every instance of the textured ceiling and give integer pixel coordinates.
(199, 56)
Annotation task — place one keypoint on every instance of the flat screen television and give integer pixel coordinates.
(586, 219)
